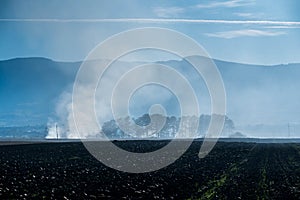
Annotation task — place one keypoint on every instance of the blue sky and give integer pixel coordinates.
(69, 30)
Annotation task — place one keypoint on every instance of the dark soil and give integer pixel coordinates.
(230, 171)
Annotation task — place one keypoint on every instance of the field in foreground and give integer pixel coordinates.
(230, 171)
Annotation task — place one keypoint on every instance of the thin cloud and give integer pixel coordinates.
(159, 20)
(246, 15)
(244, 33)
(168, 12)
(227, 4)
(249, 15)
(282, 27)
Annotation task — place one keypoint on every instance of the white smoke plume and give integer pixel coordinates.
(62, 126)
(64, 113)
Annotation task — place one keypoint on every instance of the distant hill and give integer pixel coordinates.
(30, 88)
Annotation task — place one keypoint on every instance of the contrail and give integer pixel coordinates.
(156, 20)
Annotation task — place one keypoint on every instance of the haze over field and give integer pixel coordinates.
(255, 46)
(141, 99)
(260, 108)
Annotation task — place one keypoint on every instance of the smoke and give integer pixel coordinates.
(100, 97)
(64, 119)
(91, 100)
(62, 125)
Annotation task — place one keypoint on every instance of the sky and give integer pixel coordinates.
(246, 31)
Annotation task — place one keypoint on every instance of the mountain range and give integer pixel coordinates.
(256, 94)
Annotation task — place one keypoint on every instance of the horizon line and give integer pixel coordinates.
(76, 61)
